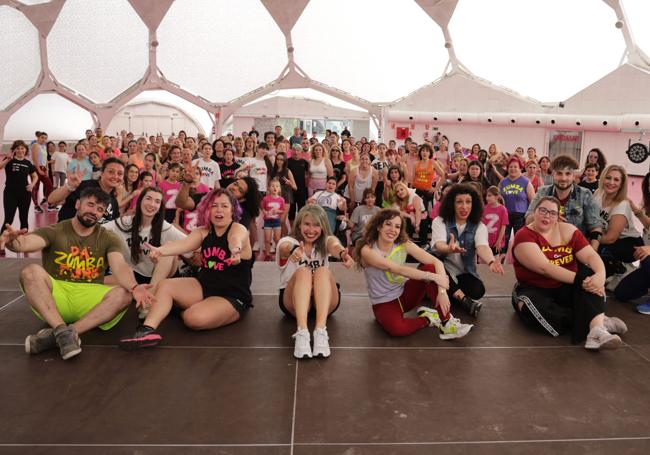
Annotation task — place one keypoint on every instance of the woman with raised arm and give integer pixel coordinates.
(555, 292)
(458, 236)
(306, 281)
(221, 294)
(394, 288)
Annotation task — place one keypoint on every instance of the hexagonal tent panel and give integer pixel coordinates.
(549, 41)
(19, 54)
(230, 57)
(379, 50)
(51, 113)
(98, 48)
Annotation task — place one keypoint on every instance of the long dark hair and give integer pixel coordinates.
(136, 221)
(128, 186)
(253, 197)
(277, 173)
(447, 209)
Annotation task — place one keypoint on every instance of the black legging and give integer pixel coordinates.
(299, 201)
(516, 221)
(16, 200)
(471, 286)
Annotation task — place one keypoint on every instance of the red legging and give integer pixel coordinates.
(390, 315)
(47, 186)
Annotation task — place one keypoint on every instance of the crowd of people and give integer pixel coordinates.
(179, 222)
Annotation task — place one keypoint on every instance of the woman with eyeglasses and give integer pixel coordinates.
(561, 281)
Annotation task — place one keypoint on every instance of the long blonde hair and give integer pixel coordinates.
(621, 194)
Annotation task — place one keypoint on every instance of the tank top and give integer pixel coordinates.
(317, 175)
(218, 277)
(384, 286)
(361, 184)
(41, 154)
(423, 178)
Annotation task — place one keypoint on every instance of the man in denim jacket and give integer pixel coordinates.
(577, 205)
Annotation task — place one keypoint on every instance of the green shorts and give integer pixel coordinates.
(74, 300)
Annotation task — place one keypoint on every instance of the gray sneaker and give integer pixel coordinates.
(599, 338)
(615, 325)
(43, 340)
(68, 341)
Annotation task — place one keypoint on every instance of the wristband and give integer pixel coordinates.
(341, 254)
(294, 248)
(491, 262)
(595, 235)
(134, 286)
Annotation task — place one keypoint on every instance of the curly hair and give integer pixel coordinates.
(447, 205)
(371, 231)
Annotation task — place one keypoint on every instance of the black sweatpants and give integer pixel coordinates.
(299, 201)
(16, 199)
(558, 310)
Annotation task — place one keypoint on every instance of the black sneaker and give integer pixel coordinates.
(38, 209)
(68, 340)
(471, 306)
(44, 201)
(144, 337)
(41, 341)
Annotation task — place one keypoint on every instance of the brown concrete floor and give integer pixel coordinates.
(238, 390)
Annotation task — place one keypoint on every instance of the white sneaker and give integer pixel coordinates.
(613, 281)
(430, 315)
(454, 329)
(321, 343)
(256, 247)
(302, 347)
(599, 338)
(614, 325)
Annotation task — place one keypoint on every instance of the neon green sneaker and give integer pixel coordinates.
(431, 315)
(454, 329)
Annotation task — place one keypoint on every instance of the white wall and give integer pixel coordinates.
(151, 119)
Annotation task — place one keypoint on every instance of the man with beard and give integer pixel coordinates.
(67, 291)
(577, 205)
(109, 181)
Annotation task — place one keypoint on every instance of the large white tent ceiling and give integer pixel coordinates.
(379, 55)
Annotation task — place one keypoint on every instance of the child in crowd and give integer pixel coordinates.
(495, 218)
(590, 180)
(272, 208)
(171, 186)
(61, 161)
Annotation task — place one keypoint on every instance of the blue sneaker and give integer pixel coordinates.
(644, 308)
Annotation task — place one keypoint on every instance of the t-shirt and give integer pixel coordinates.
(270, 203)
(514, 194)
(494, 218)
(562, 255)
(17, 172)
(299, 168)
(288, 268)
(360, 217)
(144, 266)
(191, 217)
(61, 161)
(591, 186)
(170, 191)
(227, 173)
(68, 209)
(327, 200)
(69, 257)
(82, 165)
(454, 262)
(622, 208)
(210, 172)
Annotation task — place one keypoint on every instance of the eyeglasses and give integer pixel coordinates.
(546, 212)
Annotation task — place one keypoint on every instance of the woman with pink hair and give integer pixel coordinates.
(221, 293)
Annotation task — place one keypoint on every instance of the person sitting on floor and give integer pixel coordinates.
(306, 280)
(148, 225)
(67, 291)
(221, 293)
(394, 288)
(555, 292)
(458, 236)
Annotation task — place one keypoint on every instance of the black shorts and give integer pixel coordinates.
(312, 308)
(242, 306)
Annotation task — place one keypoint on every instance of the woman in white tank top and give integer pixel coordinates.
(320, 167)
(365, 176)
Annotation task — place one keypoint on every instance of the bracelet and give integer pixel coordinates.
(134, 286)
(341, 254)
(491, 262)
